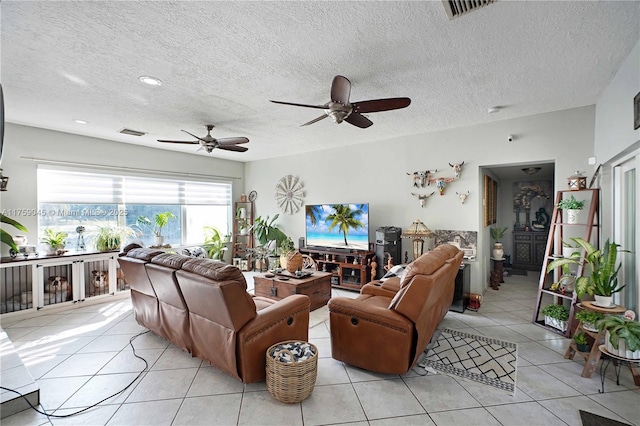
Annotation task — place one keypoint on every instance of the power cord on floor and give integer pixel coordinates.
(146, 366)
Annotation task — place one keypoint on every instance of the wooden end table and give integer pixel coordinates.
(278, 286)
(593, 356)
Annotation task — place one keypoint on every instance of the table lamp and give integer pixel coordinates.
(417, 231)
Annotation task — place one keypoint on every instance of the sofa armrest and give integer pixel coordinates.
(375, 289)
(287, 319)
(370, 313)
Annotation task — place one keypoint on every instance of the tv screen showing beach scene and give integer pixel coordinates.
(344, 226)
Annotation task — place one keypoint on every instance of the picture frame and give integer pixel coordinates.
(636, 112)
(244, 265)
(490, 200)
(237, 262)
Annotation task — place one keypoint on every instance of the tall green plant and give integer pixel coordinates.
(498, 233)
(214, 243)
(603, 279)
(267, 232)
(5, 237)
(160, 220)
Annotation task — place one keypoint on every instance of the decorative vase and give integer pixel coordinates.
(497, 252)
(159, 240)
(294, 261)
(572, 215)
(603, 301)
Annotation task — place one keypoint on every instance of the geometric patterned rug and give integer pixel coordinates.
(481, 359)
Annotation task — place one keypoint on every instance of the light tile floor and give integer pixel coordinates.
(82, 355)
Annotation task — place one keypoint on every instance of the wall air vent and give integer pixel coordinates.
(132, 132)
(455, 8)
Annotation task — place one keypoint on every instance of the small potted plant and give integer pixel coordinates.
(497, 234)
(214, 243)
(581, 341)
(572, 207)
(54, 241)
(160, 220)
(602, 282)
(286, 247)
(556, 316)
(589, 318)
(110, 237)
(622, 335)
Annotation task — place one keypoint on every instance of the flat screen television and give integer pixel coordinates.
(341, 226)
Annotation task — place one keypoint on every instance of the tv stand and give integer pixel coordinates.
(350, 268)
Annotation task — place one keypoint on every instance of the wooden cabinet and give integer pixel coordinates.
(243, 240)
(529, 249)
(46, 281)
(350, 270)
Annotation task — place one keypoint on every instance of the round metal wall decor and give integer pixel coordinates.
(289, 194)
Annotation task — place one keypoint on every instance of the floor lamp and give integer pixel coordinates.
(417, 231)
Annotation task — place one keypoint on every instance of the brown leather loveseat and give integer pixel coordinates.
(203, 307)
(386, 328)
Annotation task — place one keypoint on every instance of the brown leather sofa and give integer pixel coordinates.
(388, 326)
(203, 307)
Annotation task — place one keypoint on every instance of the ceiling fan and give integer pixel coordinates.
(209, 143)
(340, 109)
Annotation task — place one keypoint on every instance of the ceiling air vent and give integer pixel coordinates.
(455, 8)
(132, 132)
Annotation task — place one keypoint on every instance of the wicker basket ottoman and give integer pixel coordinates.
(292, 367)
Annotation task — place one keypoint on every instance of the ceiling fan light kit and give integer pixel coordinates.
(340, 109)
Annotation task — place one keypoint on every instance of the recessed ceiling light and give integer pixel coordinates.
(151, 81)
(81, 121)
(493, 110)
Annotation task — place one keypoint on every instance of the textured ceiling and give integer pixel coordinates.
(221, 62)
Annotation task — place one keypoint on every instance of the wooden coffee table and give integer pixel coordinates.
(317, 286)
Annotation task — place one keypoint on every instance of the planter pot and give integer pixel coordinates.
(582, 347)
(603, 301)
(572, 215)
(497, 252)
(589, 326)
(622, 350)
(158, 241)
(49, 249)
(556, 323)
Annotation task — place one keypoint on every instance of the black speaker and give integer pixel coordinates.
(301, 243)
(388, 241)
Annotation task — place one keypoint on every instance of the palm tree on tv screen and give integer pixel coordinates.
(345, 218)
(313, 213)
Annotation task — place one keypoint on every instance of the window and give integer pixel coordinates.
(69, 198)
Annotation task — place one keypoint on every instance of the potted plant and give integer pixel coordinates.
(4, 235)
(497, 234)
(270, 236)
(556, 316)
(110, 237)
(160, 220)
(54, 241)
(572, 207)
(622, 335)
(588, 318)
(286, 247)
(581, 341)
(602, 282)
(214, 243)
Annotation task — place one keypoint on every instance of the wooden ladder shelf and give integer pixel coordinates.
(557, 231)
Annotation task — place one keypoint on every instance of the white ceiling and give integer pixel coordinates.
(221, 62)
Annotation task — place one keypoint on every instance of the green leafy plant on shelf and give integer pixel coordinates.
(571, 204)
(55, 239)
(588, 317)
(498, 233)
(160, 220)
(559, 312)
(603, 278)
(5, 237)
(580, 338)
(110, 237)
(621, 328)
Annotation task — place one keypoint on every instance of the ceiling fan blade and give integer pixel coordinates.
(376, 105)
(232, 141)
(314, 120)
(358, 120)
(190, 143)
(340, 89)
(233, 148)
(300, 105)
(197, 137)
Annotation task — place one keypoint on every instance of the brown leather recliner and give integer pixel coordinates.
(203, 306)
(387, 327)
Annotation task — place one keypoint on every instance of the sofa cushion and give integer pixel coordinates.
(426, 264)
(145, 254)
(174, 261)
(214, 270)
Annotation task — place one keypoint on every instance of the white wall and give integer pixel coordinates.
(23, 141)
(376, 173)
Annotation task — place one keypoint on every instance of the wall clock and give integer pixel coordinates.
(289, 194)
(252, 196)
